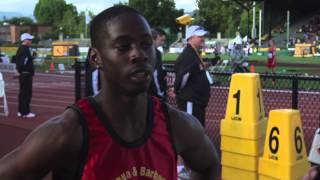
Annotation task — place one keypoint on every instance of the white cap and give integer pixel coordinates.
(26, 36)
(195, 30)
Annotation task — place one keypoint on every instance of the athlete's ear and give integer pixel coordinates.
(95, 58)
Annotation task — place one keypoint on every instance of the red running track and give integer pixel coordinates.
(52, 93)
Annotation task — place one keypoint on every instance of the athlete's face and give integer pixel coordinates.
(127, 57)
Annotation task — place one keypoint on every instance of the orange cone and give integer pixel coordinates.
(51, 67)
(252, 69)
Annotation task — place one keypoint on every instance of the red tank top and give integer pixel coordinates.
(109, 157)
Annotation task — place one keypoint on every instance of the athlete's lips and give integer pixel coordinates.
(140, 74)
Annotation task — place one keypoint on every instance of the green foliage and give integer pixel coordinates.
(218, 16)
(71, 21)
(61, 16)
(20, 21)
(214, 15)
(225, 17)
(50, 12)
(244, 23)
(159, 13)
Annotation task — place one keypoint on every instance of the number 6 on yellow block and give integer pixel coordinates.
(284, 155)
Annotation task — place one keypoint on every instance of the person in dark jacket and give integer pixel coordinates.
(25, 70)
(93, 77)
(158, 86)
(192, 83)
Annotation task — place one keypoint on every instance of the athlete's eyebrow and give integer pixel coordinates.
(127, 38)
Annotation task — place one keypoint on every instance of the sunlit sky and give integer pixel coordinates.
(26, 7)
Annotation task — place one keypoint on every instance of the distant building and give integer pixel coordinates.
(11, 33)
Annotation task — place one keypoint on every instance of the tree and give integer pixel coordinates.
(218, 16)
(20, 21)
(159, 13)
(226, 17)
(70, 23)
(50, 12)
(60, 15)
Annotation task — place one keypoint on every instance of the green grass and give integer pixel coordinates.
(289, 59)
(282, 58)
(171, 57)
(282, 70)
(287, 70)
(45, 66)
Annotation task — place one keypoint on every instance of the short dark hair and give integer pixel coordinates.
(157, 32)
(98, 24)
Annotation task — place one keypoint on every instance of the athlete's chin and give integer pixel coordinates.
(137, 91)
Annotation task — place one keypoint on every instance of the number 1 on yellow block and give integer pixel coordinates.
(245, 103)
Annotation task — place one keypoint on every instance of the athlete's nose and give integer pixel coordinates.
(138, 54)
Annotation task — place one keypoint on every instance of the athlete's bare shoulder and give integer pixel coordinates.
(184, 125)
(48, 147)
(193, 145)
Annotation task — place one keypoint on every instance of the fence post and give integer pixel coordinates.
(295, 88)
(77, 77)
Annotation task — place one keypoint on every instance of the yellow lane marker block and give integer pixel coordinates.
(239, 161)
(245, 115)
(242, 146)
(243, 128)
(284, 155)
(238, 174)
